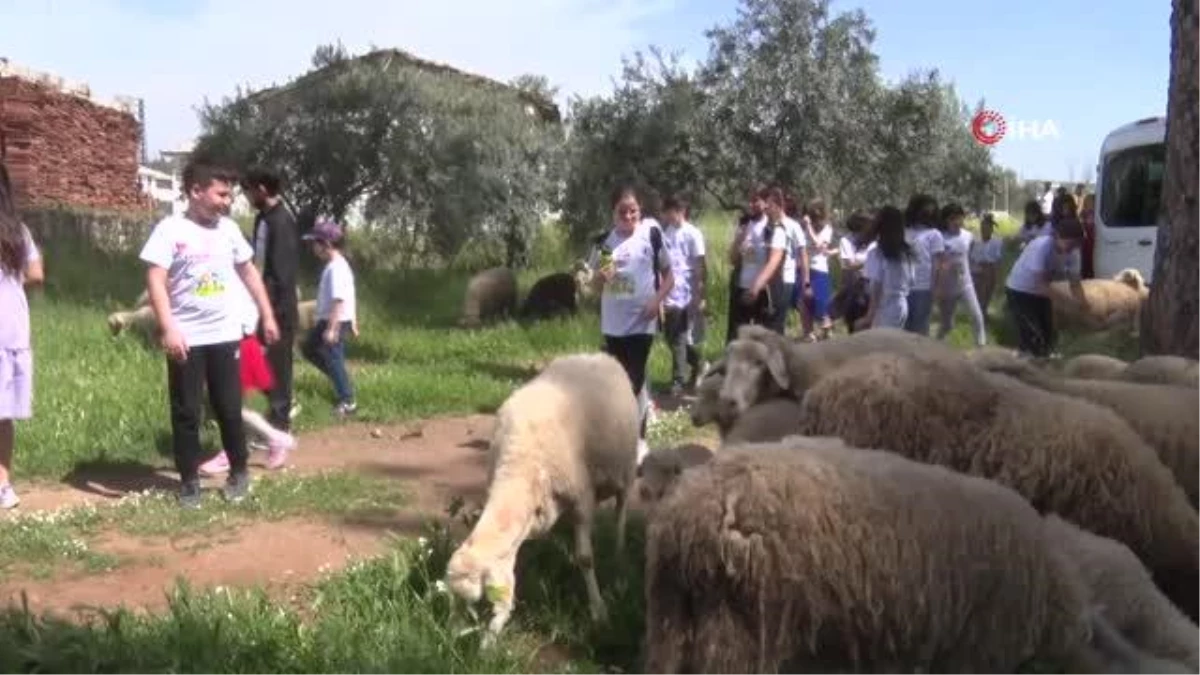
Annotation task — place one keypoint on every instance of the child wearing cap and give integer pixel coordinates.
(336, 314)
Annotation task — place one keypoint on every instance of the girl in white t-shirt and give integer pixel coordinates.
(927, 247)
(854, 295)
(1027, 287)
(890, 271)
(633, 277)
(957, 286)
(820, 247)
(760, 250)
(986, 253)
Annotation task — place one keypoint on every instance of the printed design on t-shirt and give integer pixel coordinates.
(621, 285)
(208, 285)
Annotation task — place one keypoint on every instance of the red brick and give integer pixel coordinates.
(67, 150)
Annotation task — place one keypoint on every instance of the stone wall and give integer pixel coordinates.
(64, 148)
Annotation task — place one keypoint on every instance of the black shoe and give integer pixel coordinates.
(237, 486)
(189, 494)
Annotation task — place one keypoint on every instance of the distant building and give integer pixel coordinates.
(65, 147)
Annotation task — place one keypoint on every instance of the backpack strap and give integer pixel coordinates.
(656, 244)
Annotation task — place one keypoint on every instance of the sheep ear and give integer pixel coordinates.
(777, 368)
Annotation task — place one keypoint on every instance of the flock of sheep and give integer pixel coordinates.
(879, 502)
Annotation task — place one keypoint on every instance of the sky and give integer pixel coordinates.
(1067, 71)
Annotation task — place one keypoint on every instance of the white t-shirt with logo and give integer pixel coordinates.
(957, 248)
(625, 297)
(202, 279)
(683, 244)
(925, 243)
(818, 260)
(337, 283)
(986, 252)
(756, 249)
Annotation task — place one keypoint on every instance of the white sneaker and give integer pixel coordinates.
(643, 449)
(8, 497)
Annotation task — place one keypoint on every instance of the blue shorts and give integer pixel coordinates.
(822, 295)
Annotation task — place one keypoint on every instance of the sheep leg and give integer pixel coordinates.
(502, 594)
(622, 504)
(586, 562)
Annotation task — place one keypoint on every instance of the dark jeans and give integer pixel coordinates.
(632, 352)
(1033, 317)
(675, 328)
(280, 357)
(783, 306)
(215, 366)
(330, 359)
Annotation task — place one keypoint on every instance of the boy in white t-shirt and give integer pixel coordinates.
(336, 314)
(1027, 287)
(195, 260)
(684, 252)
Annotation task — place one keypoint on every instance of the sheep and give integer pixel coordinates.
(1111, 302)
(1094, 367)
(761, 364)
(562, 443)
(768, 420)
(141, 321)
(552, 295)
(1063, 454)
(490, 294)
(1164, 416)
(1119, 584)
(661, 468)
(807, 555)
(1173, 370)
(709, 408)
(1116, 652)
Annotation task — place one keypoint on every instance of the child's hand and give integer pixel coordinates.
(270, 330)
(174, 344)
(331, 334)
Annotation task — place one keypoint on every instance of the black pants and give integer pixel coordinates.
(280, 357)
(857, 302)
(783, 306)
(1033, 316)
(632, 352)
(764, 311)
(217, 367)
(676, 321)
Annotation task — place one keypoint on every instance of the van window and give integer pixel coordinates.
(1132, 185)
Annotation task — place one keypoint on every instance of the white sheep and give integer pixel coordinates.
(562, 443)
(1111, 302)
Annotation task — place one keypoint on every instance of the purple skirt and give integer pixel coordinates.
(16, 384)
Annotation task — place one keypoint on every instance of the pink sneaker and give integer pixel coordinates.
(218, 464)
(277, 454)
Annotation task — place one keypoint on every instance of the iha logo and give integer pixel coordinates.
(988, 127)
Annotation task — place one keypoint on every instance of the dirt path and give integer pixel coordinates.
(436, 459)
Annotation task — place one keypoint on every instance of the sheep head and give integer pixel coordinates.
(1131, 278)
(660, 470)
(753, 371)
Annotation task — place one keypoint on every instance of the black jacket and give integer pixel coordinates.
(282, 261)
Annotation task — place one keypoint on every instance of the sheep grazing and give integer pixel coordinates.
(807, 555)
(1173, 370)
(660, 469)
(562, 443)
(1111, 302)
(1064, 454)
(1119, 584)
(551, 296)
(1164, 416)
(761, 364)
(709, 408)
(491, 294)
(1094, 367)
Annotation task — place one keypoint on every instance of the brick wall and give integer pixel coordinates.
(65, 149)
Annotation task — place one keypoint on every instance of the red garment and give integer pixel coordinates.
(256, 372)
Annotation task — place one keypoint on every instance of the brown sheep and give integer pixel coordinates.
(807, 555)
(491, 294)
(762, 364)
(1063, 454)
(1111, 302)
(551, 296)
(1173, 370)
(1122, 588)
(1094, 367)
(1164, 416)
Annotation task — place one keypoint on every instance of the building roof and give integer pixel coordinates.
(546, 109)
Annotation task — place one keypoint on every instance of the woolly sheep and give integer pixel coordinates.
(807, 555)
(1063, 454)
(709, 408)
(562, 443)
(1119, 584)
(1116, 652)
(761, 364)
(1094, 367)
(490, 294)
(660, 469)
(1111, 302)
(1164, 416)
(552, 295)
(1174, 370)
(765, 421)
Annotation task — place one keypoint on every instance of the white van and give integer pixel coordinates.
(1129, 187)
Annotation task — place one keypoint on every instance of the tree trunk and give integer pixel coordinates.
(1169, 322)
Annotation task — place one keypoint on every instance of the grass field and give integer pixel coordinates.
(101, 401)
